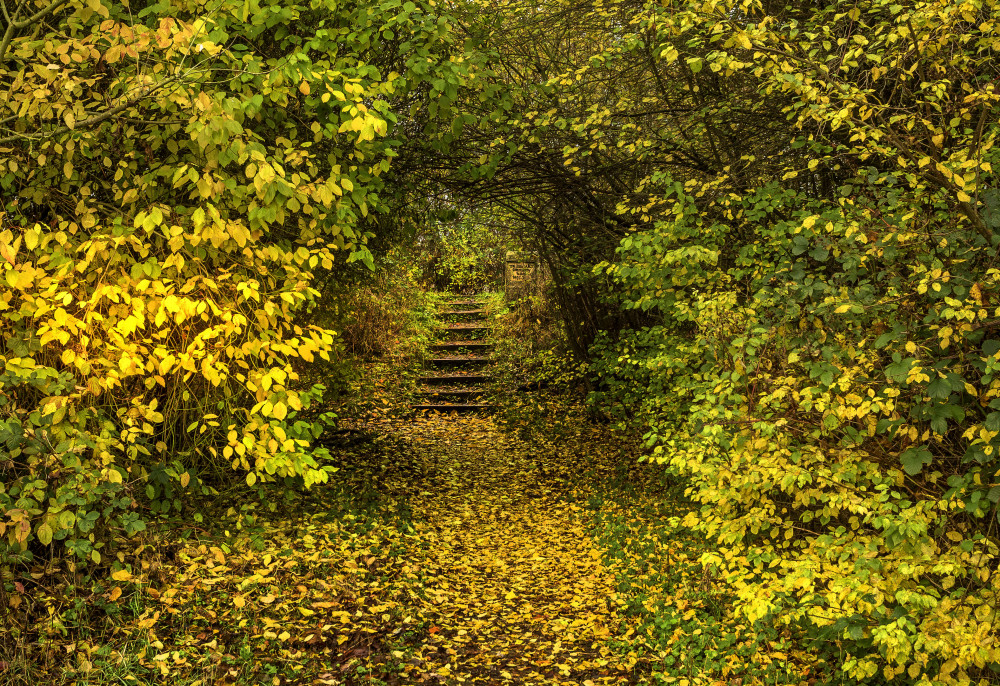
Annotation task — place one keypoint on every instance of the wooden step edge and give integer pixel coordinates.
(464, 378)
(459, 360)
(457, 391)
(456, 344)
(451, 407)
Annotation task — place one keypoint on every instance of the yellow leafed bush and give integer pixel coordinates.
(174, 180)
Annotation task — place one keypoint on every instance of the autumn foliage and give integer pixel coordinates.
(769, 229)
(175, 177)
(821, 366)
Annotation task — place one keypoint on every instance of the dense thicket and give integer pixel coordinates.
(772, 228)
(178, 179)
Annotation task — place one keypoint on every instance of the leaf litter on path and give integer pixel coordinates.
(511, 576)
(462, 556)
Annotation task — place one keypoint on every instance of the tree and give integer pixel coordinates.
(175, 177)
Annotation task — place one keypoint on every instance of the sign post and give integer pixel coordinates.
(521, 274)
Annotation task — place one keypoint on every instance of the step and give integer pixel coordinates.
(467, 327)
(452, 378)
(452, 407)
(456, 361)
(453, 394)
(460, 344)
(456, 313)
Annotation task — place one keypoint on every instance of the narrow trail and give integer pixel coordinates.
(526, 549)
(512, 580)
(447, 551)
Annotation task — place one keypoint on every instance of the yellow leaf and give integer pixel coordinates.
(238, 601)
(842, 309)
(185, 479)
(251, 479)
(121, 575)
(964, 197)
(115, 594)
(280, 411)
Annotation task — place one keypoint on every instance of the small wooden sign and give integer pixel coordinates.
(523, 274)
(520, 272)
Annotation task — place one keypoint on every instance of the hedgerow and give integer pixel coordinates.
(822, 372)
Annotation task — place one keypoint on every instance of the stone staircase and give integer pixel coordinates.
(458, 372)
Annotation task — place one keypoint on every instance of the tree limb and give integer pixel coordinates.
(52, 7)
(97, 118)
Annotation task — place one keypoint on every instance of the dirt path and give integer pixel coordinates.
(510, 577)
(443, 552)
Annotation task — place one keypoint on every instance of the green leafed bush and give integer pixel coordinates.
(823, 371)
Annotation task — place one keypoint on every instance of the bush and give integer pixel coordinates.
(823, 374)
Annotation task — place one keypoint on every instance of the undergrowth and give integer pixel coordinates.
(683, 608)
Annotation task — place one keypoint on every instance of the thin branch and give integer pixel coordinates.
(40, 14)
(97, 118)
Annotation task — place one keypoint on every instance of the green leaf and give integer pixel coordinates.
(819, 254)
(994, 494)
(991, 200)
(913, 459)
